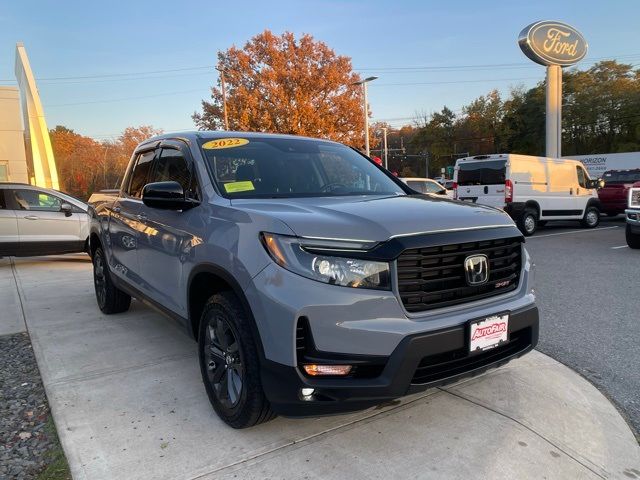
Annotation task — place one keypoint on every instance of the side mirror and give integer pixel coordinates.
(597, 184)
(165, 195)
(67, 209)
(442, 192)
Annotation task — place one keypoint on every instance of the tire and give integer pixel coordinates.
(528, 222)
(110, 298)
(633, 239)
(229, 362)
(542, 223)
(591, 218)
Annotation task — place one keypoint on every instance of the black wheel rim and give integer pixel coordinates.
(223, 361)
(99, 279)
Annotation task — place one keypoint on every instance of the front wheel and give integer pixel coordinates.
(591, 218)
(633, 239)
(528, 222)
(230, 365)
(110, 298)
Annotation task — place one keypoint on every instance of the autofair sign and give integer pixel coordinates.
(552, 43)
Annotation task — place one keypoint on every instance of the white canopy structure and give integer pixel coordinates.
(39, 155)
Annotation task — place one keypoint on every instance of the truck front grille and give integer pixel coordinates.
(434, 277)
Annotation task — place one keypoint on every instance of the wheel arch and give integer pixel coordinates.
(206, 280)
(94, 243)
(594, 202)
(534, 205)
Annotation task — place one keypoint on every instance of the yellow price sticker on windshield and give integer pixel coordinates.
(234, 187)
(225, 143)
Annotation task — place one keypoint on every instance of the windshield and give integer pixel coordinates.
(289, 167)
(491, 172)
(629, 176)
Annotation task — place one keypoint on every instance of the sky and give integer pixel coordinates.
(92, 60)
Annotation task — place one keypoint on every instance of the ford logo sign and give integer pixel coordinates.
(552, 43)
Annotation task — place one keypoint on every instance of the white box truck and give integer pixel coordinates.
(532, 190)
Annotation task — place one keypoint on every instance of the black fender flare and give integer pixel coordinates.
(230, 280)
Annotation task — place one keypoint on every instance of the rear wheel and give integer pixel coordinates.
(110, 298)
(528, 222)
(633, 239)
(229, 363)
(591, 218)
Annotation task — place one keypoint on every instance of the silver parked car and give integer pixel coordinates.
(41, 221)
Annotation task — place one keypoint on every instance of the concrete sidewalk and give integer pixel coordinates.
(128, 402)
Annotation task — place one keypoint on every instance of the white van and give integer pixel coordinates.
(533, 190)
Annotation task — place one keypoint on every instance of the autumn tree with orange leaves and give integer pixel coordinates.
(281, 84)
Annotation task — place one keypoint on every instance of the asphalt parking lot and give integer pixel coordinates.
(588, 283)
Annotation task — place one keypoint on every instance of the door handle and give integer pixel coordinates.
(31, 217)
(571, 191)
(142, 217)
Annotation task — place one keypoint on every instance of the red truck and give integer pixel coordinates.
(613, 196)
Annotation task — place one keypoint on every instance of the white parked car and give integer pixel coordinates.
(40, 221)
(426, 185)
(532, 190)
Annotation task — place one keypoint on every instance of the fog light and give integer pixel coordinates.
(307, 392)
(317, 370)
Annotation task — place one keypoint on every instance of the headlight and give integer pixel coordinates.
(297, 255)
(634, 197)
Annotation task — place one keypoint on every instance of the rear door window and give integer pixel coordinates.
(490, 172)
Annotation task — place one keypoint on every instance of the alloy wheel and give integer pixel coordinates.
(99, 279)
(529, 224)
(223, 360)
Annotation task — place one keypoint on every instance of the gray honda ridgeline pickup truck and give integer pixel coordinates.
(314, 281)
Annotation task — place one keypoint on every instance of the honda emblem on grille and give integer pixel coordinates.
(476, 268)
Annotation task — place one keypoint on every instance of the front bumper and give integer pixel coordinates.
(419, 362)
(614, 206)
(633, 219)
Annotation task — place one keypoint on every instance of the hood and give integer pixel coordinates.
(374, 218)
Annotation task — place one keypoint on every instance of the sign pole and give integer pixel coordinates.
(554, 112)
(554, 45)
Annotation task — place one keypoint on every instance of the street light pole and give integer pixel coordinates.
(224, 98)
(366, 111)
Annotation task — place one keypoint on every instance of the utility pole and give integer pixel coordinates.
(386, 151)
(426, 165)
(224, 98)
(366, 111)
